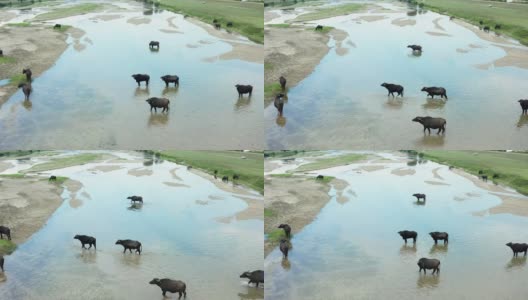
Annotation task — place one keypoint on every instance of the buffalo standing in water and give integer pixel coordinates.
(282, 82)
(524, 106)
(439, 236)
(6, 231)
(153, 44)
(129, 245)
(428, 264)
(86, 240)
(432, 91)
(415, 48)
(171, 286)
(407, 234)
(286, 228)
(432, 123)
(393, 88)
(279, 103)
(244, 89)
(26, 89)
(158, 103)
(419, 196)
(255, 277)
(141, 77)
(517, 248)
(284, 247)
(135, 198)
(28, 74)
(171, 79)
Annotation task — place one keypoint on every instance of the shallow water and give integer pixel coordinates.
(181, 239)
(353, 250)
(342, 105)
(88, 99)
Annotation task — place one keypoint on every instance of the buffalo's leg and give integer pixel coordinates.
(429, 129)
(124, 250)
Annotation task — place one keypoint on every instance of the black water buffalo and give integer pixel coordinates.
(141, 77)
(225, 179)
(486, 28)
(5, 230)
(135, 199)
(215, 173)
(417, 48)
(236, 177)
(189, 167)
(407, 234)
(319, 27)
(153, 44)
(435, 91)
(217, 25)
(431, 123)
(517, 248)
(171, 286)
(319, 177)
(524, 106)
(419, 196)
(282, 82)
(495, 176)
(158, 103)
(2, 263)
(428, 264)
(286, 228)
(480, 172)
(171, 79)
(26, 89)
(284, 247)
(439, 236)
(52, 178)
(129, 245)
(229, 24)
(57, 26)
(393, 88)
(244, 89)
(255, 277)
(28, 74)
(481, 22)
(85, 239)
(498, 26)
(215, 21)
(279, 103)
(1, 53)
(484, 177)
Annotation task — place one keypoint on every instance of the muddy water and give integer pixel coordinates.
(342, 105)
(353, 251)
(181, 239)
(89, 100)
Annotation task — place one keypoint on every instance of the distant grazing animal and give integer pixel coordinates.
(393, 88)
(215, 21)
(282, 82)
(225, 179)
(217, 25)
(171, 79)
(229, 24)
(286, 228)
(524, 106)
(189, 167)
(135, 199)
(28, 74)
(255, 277)
(26, 89)
(57, 26)
(235, 177)
(319, 177)
(495, 176)
(2, 263)
(244, 89)
(428, 264)
(419, 196)
(498, 26)
(432, 91)
(52, 178)
(215, 173)
(5, 230)
(480, 22)
(141, 77)
(279, 103)
(517, 248)
(284, 247)
(85, 239)
(319, 27)
(407, 234)
(153, 44)
(484, 177)
(480, 172)
(171, 286)
(156, 103)
(129, 245)
(1, 53)
(451, 18)
(417, 48)
(431, 123)
(439, 236)
(186, 16)
(486, 28)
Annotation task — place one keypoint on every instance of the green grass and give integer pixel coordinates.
(512, 168)
(64, 12)
(330, 162)
(284, 153)
(6, 60)
(286, 175)
(328, 12)
(276, 235)
(23, 24)
(512, 16)
(284, 25)
(250, 170)
(271, 89)
(16, 175)
(16, 79)
(268, 213)
(7, 247)
(64, 162)
(247, 17)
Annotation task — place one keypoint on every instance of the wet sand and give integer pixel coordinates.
(106, 168)
(138, 172)
(139, 20)
(5, 166)
(371, 18)
(403, 22)
(403, 172)
(106, 17)
(437, 33)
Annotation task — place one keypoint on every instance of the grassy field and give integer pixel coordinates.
(330, 162)
(7, 247)
(6, 60)
(64, 12)
(250, 169)
(512, 168)
(247, 16)
(513, 17)
(328, 12)
(64, 162)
